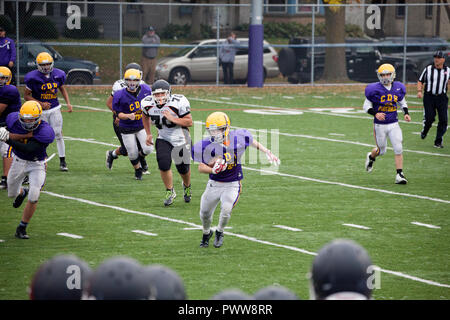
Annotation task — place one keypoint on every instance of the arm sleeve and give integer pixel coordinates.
(13, 52)
(423, 75)
(404, 105)
(31, 146)
(367, 106)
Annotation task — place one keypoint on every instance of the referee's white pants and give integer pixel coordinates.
(55, 120)
(392, 131)
(129, 140)
(227, 193)
(36, 172)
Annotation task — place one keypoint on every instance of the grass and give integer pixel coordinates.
(312, 145)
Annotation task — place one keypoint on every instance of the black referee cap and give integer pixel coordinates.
(439, 54)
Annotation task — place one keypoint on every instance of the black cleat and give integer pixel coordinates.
(423, 135)
(19, 199)
(144, 165)
(26, 180)
(3, 184)
(187, 193)
(218, 241)
(63, 166)
(109, 159)
(138, 174)
(205, 239)
(439, 145)
(21, 233)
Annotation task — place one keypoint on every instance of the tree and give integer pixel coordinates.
(335, 69)
(197, 17)
(24, 14)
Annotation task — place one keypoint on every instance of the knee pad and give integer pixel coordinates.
(123, 151)
(133, 156)
(398, 148)
(182, 168)
(33, 194)
(225, 210)
(58, 134)
(134, 162)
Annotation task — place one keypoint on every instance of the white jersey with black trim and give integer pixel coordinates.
(179, 106)
(120, 84)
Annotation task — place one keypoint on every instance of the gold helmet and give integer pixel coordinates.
(132, 78)
(386, 69)
(218, 126)
(5, 76)
(44, 62)
(30, 115)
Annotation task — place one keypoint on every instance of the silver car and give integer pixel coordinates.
(199, 63)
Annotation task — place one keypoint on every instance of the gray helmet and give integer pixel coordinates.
(118, 278)
(341, 266)
(161, 86)
(62, 277)
(165, 283)
(275, 293)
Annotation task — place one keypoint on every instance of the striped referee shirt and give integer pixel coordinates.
(435, 80)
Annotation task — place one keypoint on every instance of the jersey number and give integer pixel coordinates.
(157, 122)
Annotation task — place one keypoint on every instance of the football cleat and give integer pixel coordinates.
(26, 180)
(63, 166)
(19, 199)
(170, 196)
(400, 179)
(369, 163)
(21, 233)
(439, 145)
(144, 165)
(138, 174)
(109, 159)
(187, 193)
(3, 184)
(205, 239)
(218, 241)
(423, 135)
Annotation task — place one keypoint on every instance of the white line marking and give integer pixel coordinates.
(88, 108)
(355, 226)
(287, 228)
(399, 274)
(144, 233)
(288, 97)
(2, 240)
(74, 236)
(257, 98)
(426, 225)
(49, 158)
(349, 185)
(318, 97)
(90, 141)
(225, 98)
(200, 228)
(337, 134)
(95, 99)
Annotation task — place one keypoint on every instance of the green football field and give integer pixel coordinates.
(320, 192)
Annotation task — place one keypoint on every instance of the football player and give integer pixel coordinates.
(111, 155)
(29, 137)
(220, 157)
(42, 86)
(127, 105)
(382, 101)
(340, 271)
(9, 102)
(171, 115)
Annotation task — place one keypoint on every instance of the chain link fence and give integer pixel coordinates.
(93, 41)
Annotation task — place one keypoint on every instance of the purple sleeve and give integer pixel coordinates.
(11, 118)
(116, 102)
(62, 78)
(45, 135)
(369, 92)
(244, 137)
(13, 51)
(29, 81)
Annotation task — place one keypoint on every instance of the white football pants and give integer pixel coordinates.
(55, 120)
(129, 140)
(36, 171)
(391, 130)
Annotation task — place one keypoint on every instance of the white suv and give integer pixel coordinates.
(199, 63)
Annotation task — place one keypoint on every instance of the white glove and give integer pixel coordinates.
(4, 134)
(273, 159)
(219, 166)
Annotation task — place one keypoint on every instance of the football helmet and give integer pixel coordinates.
(118, 278)
(61, 278)
(44, 62)
(5, 76)
(218, 126)
(386, 69)
(275, 293)
(165, 283)
(30, 115)
(161, 92)
(340, 266)
(134, 65)
(132, 78)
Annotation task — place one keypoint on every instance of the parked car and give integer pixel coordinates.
(199, 63)
(361, 62)
(78, 71)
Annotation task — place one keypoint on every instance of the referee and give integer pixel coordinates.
(434, 79)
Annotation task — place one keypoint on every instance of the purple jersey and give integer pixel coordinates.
(7, 51)
(44, 134)
(385, 100)
(126, 102)
(10, 96)
(43, 88)
(204, 151)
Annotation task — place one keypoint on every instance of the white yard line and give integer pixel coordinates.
(287, 228)
(399, 274)
(355, 226)
(145, 233)
(69, 235)
(425, 225)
